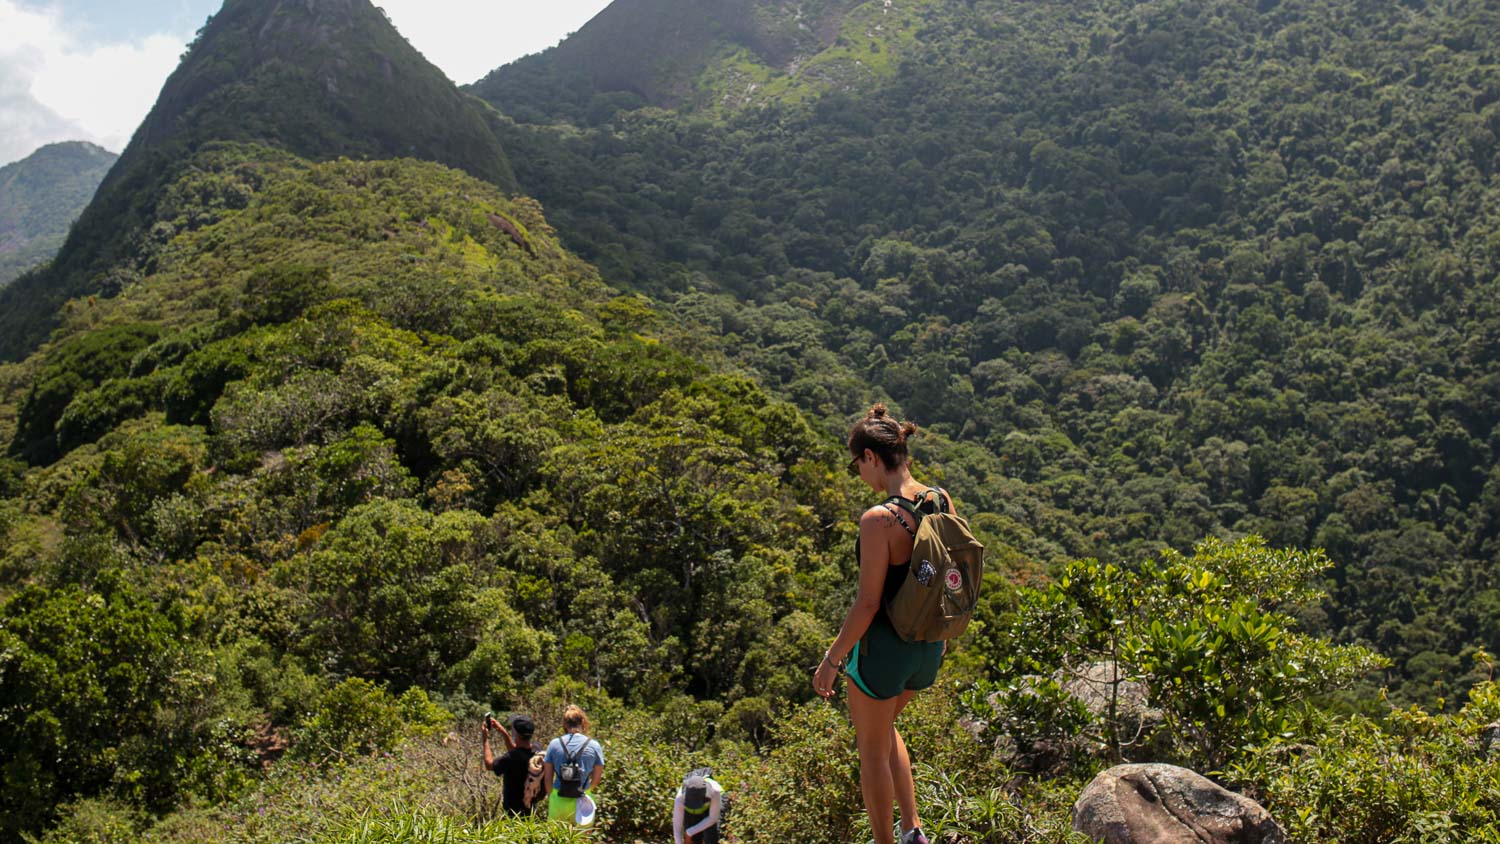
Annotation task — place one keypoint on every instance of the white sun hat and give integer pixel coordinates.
(584, 814)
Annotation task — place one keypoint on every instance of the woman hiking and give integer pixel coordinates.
(884, 671)
(572, 769)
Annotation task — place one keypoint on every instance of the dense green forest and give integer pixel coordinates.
(423, 451)
(1159, 271)
(326, 454)
(40, 196)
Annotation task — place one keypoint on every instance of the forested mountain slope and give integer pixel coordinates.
(40, 196)
(707, 57)
(355, 450)
(320, 78)
(1160, 270)
(371, 425)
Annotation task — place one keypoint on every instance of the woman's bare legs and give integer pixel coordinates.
(901, 777)
(884, 766)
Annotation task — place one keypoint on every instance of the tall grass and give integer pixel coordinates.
(404, 825)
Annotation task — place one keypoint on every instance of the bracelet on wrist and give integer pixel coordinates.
(837, 666)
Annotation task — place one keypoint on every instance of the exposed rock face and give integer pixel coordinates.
(1489, 740)
(1165, 804)
(1101, 686)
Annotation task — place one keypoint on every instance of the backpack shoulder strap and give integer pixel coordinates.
(945, 503)
(572, 755)
(896, 504)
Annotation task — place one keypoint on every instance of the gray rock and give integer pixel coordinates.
(1489, 740)
(1165, 804)
(1097, 682)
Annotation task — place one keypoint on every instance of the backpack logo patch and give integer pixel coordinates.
(954, 580)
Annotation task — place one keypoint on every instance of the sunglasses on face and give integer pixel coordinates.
(854, 467)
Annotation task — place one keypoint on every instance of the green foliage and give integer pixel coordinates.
(398, 826)
(1408, 777)
(804, 786)
(357, 718)
(959, 808)
(93, 684)
(40, 196)
(389, 592)
(1210, 636)
(96, 822)
(71, 368)
(424, 450)
(1264, 304)
(429, 462)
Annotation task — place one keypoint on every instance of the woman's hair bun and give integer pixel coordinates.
(877, 412)
(907, 430)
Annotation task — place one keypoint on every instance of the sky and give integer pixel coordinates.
(89, 70)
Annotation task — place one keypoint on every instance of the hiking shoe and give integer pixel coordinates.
(914, 837)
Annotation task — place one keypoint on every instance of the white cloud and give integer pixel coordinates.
(54, 87)
(468, 39)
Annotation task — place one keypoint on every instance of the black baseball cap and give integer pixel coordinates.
(523, 725)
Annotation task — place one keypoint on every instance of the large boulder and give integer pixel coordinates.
(1165, 804)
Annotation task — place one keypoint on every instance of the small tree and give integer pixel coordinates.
(1210, 636)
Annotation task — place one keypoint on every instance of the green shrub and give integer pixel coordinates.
(1211, 636)
(96, 821)
(1408, 778)
(806, 788)
(415, 826)
(357, 717)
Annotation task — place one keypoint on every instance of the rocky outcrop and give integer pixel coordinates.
(1488, 744)
(1165, 804)
(1106, 692)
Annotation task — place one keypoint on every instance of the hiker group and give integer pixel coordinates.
(919, 577)
(572, 767)
(569, 769)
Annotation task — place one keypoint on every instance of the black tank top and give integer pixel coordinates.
(895, 575)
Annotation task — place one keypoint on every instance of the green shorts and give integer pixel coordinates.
(883, 665)
(560, 808)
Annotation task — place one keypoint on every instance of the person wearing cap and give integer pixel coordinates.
(515, 764)
(700, 801)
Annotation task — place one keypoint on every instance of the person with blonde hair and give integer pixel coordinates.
(572, 768)
(884, 671)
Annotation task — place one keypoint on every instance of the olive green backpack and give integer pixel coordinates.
(941, 589)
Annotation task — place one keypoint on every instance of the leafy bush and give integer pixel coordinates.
(357, 718)
(1408, 778)
(407, 826)
(1210, 636)
(91, 682)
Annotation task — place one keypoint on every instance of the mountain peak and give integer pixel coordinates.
(40, 196)
(321, 79)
